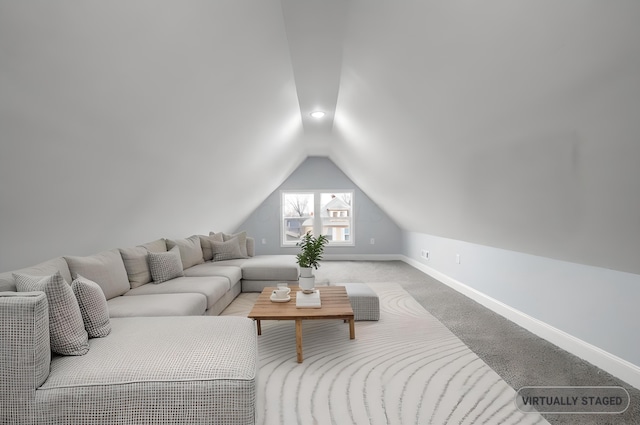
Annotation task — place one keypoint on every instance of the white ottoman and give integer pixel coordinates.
(364, 302)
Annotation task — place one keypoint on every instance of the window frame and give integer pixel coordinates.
(317, 212)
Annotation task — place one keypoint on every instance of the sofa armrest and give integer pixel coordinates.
(25, 353)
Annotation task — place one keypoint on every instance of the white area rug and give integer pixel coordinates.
(406, 368)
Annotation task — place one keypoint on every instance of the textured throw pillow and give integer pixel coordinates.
(66, 328)
(190, 250)
(165, 265)
(242, 241)
(205, 243)
(228, 250)
(93, 307)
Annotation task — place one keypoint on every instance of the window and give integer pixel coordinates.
(319, 212)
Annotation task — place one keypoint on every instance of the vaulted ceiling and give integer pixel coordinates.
(509, 124)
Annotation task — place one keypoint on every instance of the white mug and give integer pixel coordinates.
(281, 293)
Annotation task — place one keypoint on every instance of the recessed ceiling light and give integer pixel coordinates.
(317, 114)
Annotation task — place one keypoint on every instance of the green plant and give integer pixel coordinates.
(311, 249)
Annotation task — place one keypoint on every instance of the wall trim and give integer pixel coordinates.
(606, 361)
(363, 257)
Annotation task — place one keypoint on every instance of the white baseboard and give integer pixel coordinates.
(363, 257)
(606, 361)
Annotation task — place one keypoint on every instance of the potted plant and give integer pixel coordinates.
(311, 250)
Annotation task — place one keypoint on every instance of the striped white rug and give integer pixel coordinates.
(406, 368)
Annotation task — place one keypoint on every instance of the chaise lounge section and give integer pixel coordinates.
(164, 359)
(170, 370)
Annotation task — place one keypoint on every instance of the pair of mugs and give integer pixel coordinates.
(281, 293)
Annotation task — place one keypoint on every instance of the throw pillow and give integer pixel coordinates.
(228, 250)
(242, 239)
(190, 250)
(205, 242)
(66, 328)
(165, 265)
(93, 307)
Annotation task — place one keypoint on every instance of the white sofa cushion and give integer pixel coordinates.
(233, 273)
(159, 245)
(8, 283)
(93, 306)
(190, 250)
(137, 265)
(136, 262)
(156, 305)
(165, 265)
(66, 328)
(158, 370)
(105, 268)
(213, 287)
(271, 267)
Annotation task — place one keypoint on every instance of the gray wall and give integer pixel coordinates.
(321, 173)
(595, 305)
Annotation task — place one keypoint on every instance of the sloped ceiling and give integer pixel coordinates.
(509, 124)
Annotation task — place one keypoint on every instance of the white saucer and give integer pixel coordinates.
(280, 300)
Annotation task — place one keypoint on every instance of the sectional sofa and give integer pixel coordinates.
(131, 335)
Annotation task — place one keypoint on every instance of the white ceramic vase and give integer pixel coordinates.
(306, 272)
(307, 283)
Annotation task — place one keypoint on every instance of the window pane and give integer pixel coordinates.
(336, 216)
(297, 212)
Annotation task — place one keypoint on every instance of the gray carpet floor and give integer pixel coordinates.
(518, 356)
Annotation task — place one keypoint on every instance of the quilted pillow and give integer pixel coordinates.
(93, 307)
(165, 265)
(228, 250)
(66, 328)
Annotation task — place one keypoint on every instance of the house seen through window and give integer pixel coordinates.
(320, 212)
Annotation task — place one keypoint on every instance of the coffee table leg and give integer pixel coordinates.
(299, 339)
(259, 326)
(352, 329)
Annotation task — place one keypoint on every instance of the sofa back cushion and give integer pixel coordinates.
(159, 245)
(136, 262)
(66, 328)
(105, 268)
(190, 250)
(251, 247)
(8, 283)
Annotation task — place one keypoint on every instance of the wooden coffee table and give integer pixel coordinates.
(335, 305)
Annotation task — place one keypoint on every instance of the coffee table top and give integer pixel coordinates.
(334, 299)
